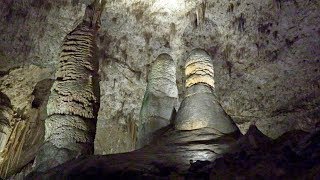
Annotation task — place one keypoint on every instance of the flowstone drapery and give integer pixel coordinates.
(73, 103)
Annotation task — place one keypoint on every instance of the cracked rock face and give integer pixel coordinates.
(266, 57)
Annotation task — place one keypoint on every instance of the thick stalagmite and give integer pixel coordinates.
(73, 103)
(200, 108)
(202, 130)
(159, 100)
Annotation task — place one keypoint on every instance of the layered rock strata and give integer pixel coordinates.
(73, 103)
(159, 100)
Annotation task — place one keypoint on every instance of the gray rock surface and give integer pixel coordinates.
(160, 99)
(172, 153)
(266, 57)
(28, 89)
(200, 108)
(294, 155)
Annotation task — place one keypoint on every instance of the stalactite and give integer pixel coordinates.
(200, 13)
(73, 103)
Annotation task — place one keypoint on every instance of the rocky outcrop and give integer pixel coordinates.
(24, 99)
(295, 155)
(73, 103)
(160, 99)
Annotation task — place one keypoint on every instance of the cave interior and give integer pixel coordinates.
(159, 89)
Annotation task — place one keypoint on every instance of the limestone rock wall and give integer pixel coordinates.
(266, 57)
(27, 90)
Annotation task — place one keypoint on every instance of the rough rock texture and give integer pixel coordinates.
(294, 155)
(160, 99)
(200, 108)
(199, 69)
(6, 114)
(28, 89)
(266, 57)
(169, 145)
(74, 100)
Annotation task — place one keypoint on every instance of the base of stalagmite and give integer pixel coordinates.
(296, 155)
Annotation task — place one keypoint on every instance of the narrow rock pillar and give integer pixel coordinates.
(73, 103)
(200, 108)
(159, 100)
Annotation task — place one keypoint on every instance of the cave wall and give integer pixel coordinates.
(266, 58)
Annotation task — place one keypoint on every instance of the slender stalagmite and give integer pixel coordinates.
(159, 100)
(73, 103)
(200, 108)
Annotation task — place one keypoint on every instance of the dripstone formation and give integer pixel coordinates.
(201, 143)
(200, 118)
(73, 103)
(159, 100)
(200, 108)
(202, 130)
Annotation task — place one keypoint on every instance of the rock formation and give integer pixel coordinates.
(200, 107)
(176, 145)
(13, 132)
(5, 124)
(266, 63)
(295, 155)
(160, 99)
(24, 120)
(73, 102)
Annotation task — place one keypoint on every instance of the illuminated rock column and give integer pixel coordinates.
(159, 100)
(73, 103)
(200, 108)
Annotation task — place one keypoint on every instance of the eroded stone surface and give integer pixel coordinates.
(293, 155)
(160, 99)
(200, 108)
(199, 69)
(27, 89)
(74, 100)
(267, 56)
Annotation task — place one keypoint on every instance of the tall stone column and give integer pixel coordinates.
(73, 103)
(159, 100)
(200, 107)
